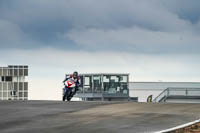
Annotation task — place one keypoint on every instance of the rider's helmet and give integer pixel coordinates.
(75, 74)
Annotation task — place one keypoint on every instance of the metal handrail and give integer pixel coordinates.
(163, 92)
(175, 89)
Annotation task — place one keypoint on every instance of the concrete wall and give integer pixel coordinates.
(143, 89)
(183, 100)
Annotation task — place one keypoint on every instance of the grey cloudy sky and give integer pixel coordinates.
(135, 25)
(150, 39)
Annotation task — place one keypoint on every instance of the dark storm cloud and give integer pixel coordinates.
(185, 9)
(131, 25)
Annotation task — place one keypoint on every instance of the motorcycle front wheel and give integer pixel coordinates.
(69, 97)
(64, 97)
(65, 94)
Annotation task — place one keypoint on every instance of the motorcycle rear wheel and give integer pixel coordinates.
(66, 94)
(64, 97)
(69, 97)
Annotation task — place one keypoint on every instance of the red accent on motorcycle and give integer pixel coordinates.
(69, 84)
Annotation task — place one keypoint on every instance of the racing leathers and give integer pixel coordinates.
(76, 80)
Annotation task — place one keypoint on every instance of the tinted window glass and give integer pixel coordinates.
(25, 85)
(5, 72)
(20, 94)
(15, 72)
(25, 94)
(11, 72)
(15, 86)
(1, 73)
(25, 72)
(4, 86)
(1, 86)
(21, 73)
(8, 78)
(20, 86)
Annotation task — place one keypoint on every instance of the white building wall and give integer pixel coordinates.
(183, 101)
(143, 89)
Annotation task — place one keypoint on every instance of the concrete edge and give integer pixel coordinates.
(179, 127)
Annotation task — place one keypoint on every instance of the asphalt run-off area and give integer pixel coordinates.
(93, 117)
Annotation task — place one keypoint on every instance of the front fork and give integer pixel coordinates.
(66, 91)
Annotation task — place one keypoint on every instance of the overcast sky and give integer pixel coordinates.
(152, 40)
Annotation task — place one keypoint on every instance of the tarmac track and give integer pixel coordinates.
(93, 117)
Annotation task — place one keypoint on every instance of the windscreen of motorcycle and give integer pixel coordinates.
(70, 83)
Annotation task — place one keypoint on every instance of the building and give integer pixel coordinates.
(175, 91)
(13, 85)
(103, 87)
(116, 87)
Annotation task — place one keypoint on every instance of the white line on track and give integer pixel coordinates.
(179, 127)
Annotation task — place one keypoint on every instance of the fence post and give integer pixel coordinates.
(186, 91)
(167, 92)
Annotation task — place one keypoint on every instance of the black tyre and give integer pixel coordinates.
(69, 97)
(64, 97)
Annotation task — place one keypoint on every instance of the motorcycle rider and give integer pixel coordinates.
(74, 77)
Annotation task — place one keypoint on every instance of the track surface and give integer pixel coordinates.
(92, 117)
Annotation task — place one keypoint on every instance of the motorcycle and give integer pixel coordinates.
(69, 90)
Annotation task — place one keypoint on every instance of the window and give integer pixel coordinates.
(106, 78)
(16, 66)
(4, 86)
(8, 78)
(5, 72)
(123, 78)
(15, 86)
(124, 88)
(11, 72)
(11, 66)
(13, 93)
(10, 86)
(5, 94)
(1, 73)
(21, 73)
(25, 94)
(81, 78)
(25, 85)
(15, 79)
(115, 84)
(87, 81)
(21, 79)
(20, 86)
(15, 72)
(9, 94)
(97, 83)
(114, 78)
(88, 84)
(25, 72)
(1, 86)
(20, 94)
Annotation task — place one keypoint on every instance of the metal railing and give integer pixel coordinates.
(175, 91)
